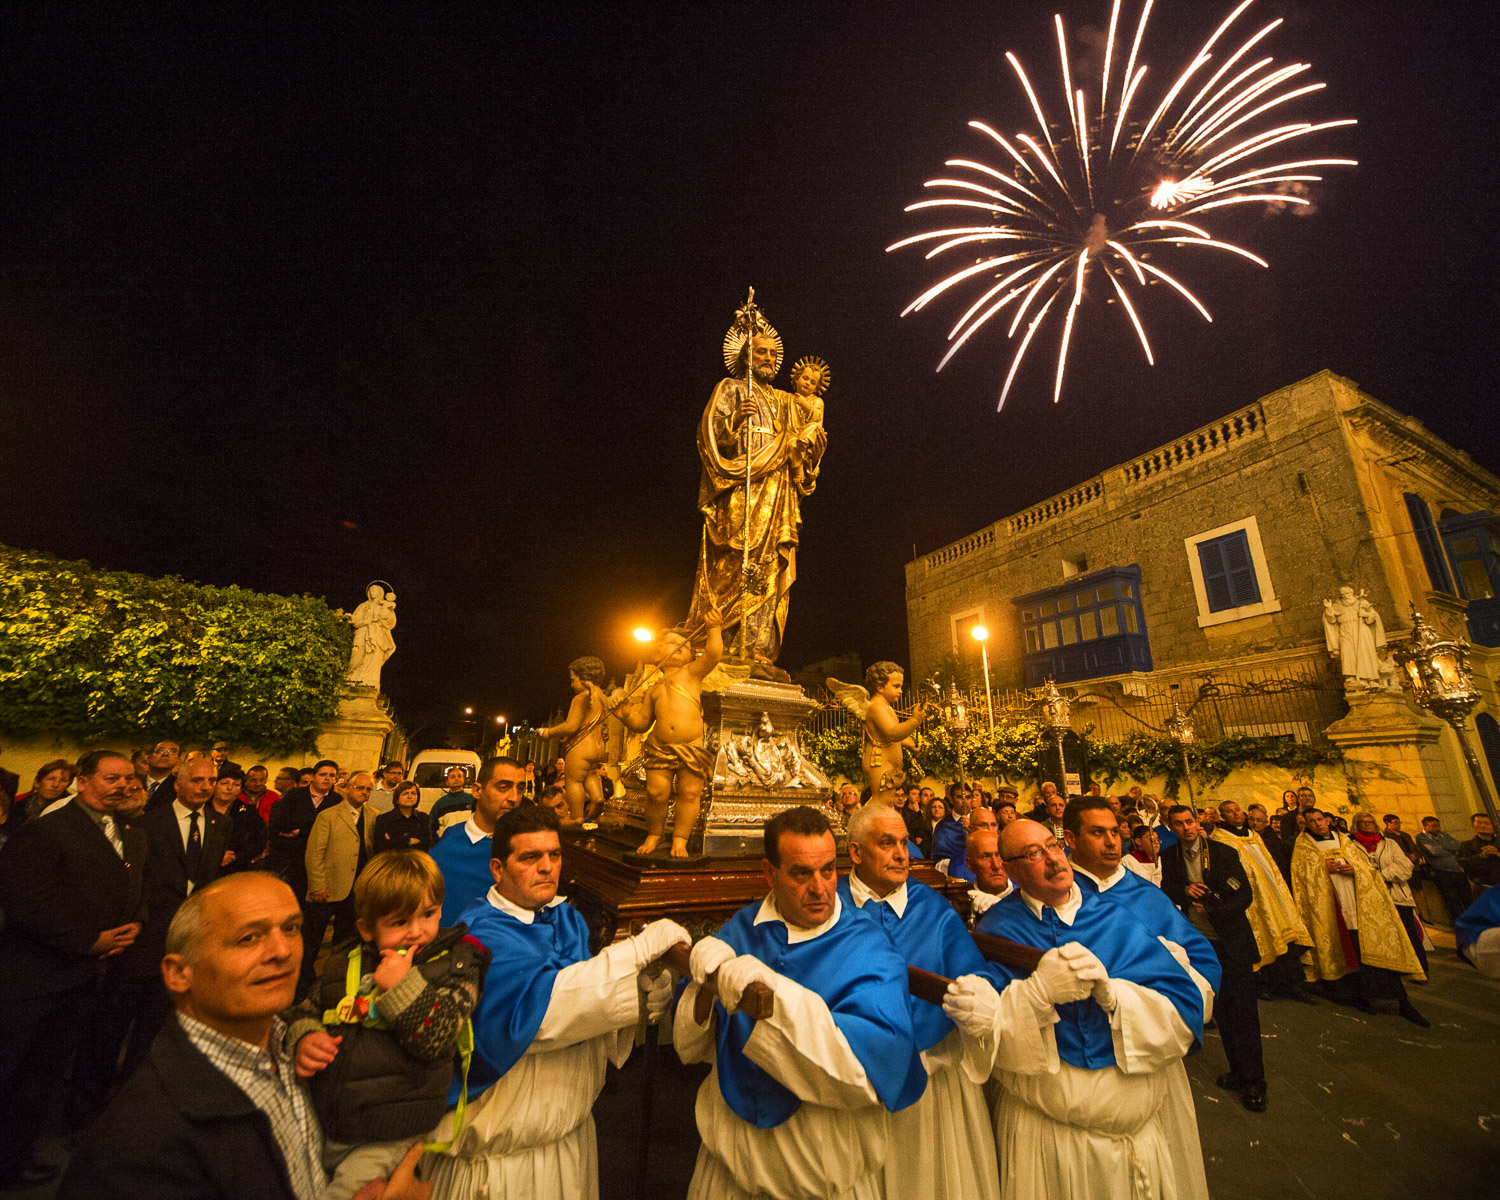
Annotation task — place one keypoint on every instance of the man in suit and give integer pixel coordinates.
(161, 774)
(341, 842)
(1208, 882)
(185, 845)
(70, 888)
(292, 820)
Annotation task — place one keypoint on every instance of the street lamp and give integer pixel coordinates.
(1439, 680)
(468, 711)
(642, 634)
(1055, 708)
(1180, 730)
(982, 635)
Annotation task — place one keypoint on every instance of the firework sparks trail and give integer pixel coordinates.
(1106, 187)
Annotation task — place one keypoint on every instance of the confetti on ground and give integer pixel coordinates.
(1355, 1120)
(1350, 1140)
(1326, 1088)
(1395, 1133)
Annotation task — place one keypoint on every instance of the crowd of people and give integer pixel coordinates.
(171, 998)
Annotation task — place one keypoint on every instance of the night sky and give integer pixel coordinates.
(298, 299)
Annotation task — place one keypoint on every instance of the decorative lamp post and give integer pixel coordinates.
(1439, 680)
(1180, 730)
(982, 635)
(1056, 718)
(954, 714)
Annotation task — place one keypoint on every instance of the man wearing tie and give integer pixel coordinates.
(341, 842)
(70, 887)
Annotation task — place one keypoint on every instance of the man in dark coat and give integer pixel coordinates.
(1207, 881)
(217, 1111)
(292, 820)
(70, 889)
(185, 845)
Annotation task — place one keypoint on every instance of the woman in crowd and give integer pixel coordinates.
(246, 844)
(50, 785)
(1396, 869)
(405, 827)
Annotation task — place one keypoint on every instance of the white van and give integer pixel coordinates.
(429, 771)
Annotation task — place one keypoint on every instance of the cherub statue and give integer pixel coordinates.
(885, 735)
(810, 379)
(585, 750)
(672, 708)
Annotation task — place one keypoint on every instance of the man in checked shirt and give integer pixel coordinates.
(216, 1111)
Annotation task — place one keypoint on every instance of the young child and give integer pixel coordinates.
(378, 1038)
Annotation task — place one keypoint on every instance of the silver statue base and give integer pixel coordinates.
(753, 730)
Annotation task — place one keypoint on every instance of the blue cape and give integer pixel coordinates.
(524, 962)
(948, 841)
(931, 936)
(1154, 909)
(1127, 950)
(1483, 914)
(466, 871)
(861, 978)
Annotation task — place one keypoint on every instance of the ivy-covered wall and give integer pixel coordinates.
(94, 655)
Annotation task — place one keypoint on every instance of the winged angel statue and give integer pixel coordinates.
(885, 735)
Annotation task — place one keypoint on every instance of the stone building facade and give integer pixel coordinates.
(1214, 553)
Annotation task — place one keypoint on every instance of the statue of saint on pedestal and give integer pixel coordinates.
(884, 734)
(373, 644)
(760, 448)
(1354, 632)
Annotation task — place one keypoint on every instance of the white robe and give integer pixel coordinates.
(831, 1147)
(1126, 1132)
(531, 1134)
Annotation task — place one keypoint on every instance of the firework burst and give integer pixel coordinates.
(1117, 179)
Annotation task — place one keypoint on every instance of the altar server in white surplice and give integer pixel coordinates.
(942, 1146)
(550, 1018)
(798, 1104)
(1085, 1047)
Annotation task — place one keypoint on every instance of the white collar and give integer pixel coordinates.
(476, 834)
(524, 915)
(794, 935)
(861, 894)
(1108, 881)
(184, 813)
(1066, 911)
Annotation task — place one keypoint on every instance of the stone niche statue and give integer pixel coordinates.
(1355, 634)
(760, 449)
(373, 644)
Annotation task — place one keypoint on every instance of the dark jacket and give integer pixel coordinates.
(295, 811)
(162, 792)
(374, 1091)
(1228, 898)
(167, 878)
(394, 832)
(1483, 869)
(178, 1130)
(61, 885)
(246, 838)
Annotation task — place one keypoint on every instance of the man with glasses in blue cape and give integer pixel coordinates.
(798, 1103)
(1084, 1047)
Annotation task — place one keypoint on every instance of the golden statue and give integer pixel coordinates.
(674, 749)
(885, 735)
(759, 442)
(585, 748)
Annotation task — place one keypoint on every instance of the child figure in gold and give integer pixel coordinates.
(885, 735)
(674, 750)
(810, 379)
(585, 730)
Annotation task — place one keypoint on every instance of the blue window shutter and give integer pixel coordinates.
(1228, 572)
(1427, 542)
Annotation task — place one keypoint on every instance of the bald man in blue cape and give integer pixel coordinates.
(942, 1147)
(1084, 1047)
(797, 1105)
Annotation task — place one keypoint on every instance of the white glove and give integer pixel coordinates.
(972, 1004)
(656, 939)
(1057, 978)
(658, 992)
(738, 974)
(1104, 994)
(708, 956)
